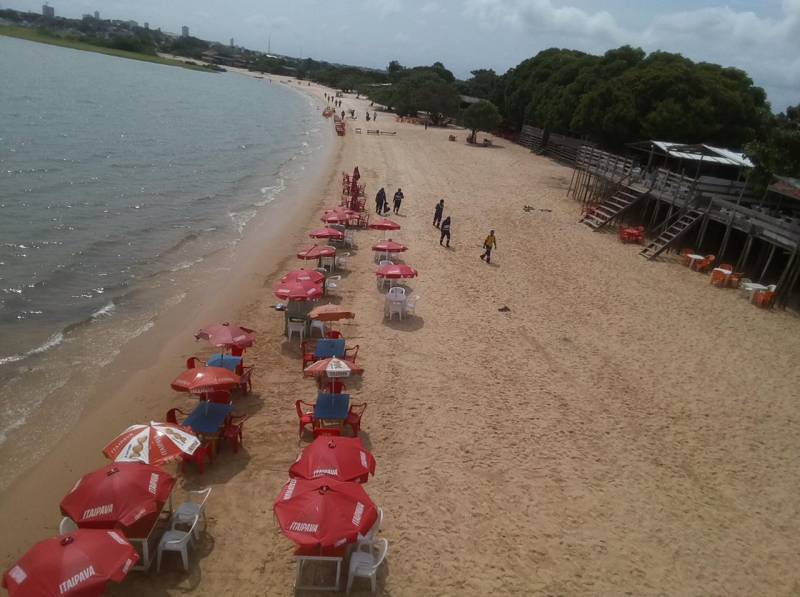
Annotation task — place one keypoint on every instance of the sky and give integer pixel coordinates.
(759, 36)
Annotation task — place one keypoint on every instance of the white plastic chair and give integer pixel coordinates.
(395, 308)
(385, 262)
(349, 239)
(192, 509)
(341, 260)
(173, 540)
(411, 304)
(298, 327)
(67, 525)
(372, 534)
(318, 325)
(331, 282)
(365, 565)
(397, 293)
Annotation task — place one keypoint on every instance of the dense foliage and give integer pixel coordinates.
(778, 150)
(428, 89)
(482, 116)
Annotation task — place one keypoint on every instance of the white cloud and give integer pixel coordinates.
(430, 8)
(384, 7)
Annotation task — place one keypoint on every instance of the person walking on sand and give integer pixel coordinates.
(437, 213)
(398, 199)
(489, 244)
(380, 199)
(374, 115)
(445, 231)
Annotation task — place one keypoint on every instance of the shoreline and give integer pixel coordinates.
(28, 34)
(112, 406)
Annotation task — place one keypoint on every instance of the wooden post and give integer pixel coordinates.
(792, 259)
(745, 252)
(769, 260)
(784, 293)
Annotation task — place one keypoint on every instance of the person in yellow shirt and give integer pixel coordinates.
(489, 244)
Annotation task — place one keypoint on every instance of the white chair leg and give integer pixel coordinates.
(158, 560)
(349, 582)
(372, 581)
(185, 558)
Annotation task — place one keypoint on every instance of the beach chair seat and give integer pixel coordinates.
(174, 540)
(366, 564)
(354, 415)
(296, 327)
(395, 308)
(201, 454)
(331, 283)
(305, 414)
(233, 432)
(192, 509)
(369, 539)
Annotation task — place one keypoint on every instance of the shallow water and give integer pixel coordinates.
(117, 177)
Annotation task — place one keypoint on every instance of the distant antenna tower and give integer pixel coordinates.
(269, 44)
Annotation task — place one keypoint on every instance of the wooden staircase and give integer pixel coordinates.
(622, 199)
(679, 226)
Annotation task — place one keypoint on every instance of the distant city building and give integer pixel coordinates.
(147, 25)
(133, 23)
(97, 15)
(231, 42)
(48, 11)
(184, 31)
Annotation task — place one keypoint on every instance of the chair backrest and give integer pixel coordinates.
(67, 525)
(333, 334)
(191, 362)
(219, 397)
(236, 351)
(411, 302)
(337, 387)
(397, 292)
(383, 262)
(383, 549)
(358, 409)
(172, 416)
(201, 495)
(772, 287)
(351, 357)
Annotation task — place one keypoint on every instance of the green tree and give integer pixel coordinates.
(482, 116)
(482, 84)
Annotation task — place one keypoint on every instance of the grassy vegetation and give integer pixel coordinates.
(46, 38)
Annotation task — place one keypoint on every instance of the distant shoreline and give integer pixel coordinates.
(35, 36)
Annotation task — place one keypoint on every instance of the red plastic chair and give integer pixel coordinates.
(336, 387)
(199, 458)
(351, 353)
(306, 417)
(193, 363)
(233, 432)
(326, 431)
(236, 351)
(705, 264)
(308, 357)
(354, 415)
(172, 415)
(218, 397)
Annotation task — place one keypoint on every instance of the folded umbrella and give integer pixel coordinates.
(324, 513)
(343, 458)
(156, 443)
(80, 563)
(330, 312)
(202, 380)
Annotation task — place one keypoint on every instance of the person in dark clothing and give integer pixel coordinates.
(380, 199)
(445, 231)
(398, 199)
(437, 213)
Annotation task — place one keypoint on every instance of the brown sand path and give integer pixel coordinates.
(624, 429)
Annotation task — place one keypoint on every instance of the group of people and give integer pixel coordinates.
(337, 103)
(444, 227)
(382, 203)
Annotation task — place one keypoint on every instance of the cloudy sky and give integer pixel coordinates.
(760, 36)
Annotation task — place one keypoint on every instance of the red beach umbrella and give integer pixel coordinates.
(202, 380)
(80, 563)
(227, 335)
(326, 232)
(332, 367)
(304, 275)
(122, 494)
(342, 458)
(394, 272)
(330, 312)
(316, 252)
(155, 443)
(389, 246)
(298, 291)
(384, 224)
(324, 512)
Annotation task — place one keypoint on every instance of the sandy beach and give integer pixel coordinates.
(622, 428)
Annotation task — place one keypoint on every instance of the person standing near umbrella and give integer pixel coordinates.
(489, 244)
(445, 231)
(398, 199)
(380, 199)
(437, 213)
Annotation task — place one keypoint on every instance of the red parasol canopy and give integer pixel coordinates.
(155, 443)
(316, 252)
(80, 563)
(338, 215)
(327, 233)
(396, 271)
(342, 458)
(298, 291)
(304, 275)
(330, 312)
(227, 335)
(202, 380)
(332, 367)
(384, 224)
(324, 512)
(389, 246)
(120, 495)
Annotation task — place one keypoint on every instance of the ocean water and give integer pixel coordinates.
(116, 177)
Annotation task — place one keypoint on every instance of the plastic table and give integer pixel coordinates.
(207, 417)
(327, 348)
(332, 407)
(225, 361)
